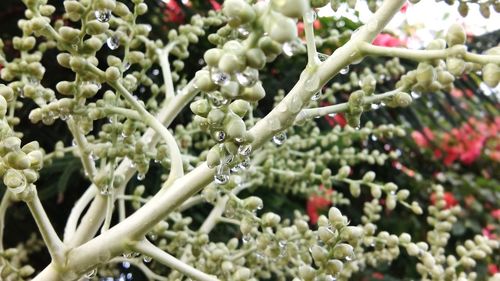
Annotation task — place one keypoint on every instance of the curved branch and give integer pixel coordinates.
(147, 248)
(425, 55)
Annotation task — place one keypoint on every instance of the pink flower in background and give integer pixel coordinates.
(215, 5)
(387, 40)
(496, 214)
(316, 203)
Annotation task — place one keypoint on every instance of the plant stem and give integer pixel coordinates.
(83, 148)
(77, 210)
(54, 245)
(425, 55)
(147, 248)
(341, 107)
(3, 209)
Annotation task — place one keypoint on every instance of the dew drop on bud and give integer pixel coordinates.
(220, 136)
(245, 150)
(323, 57)
(316, 96)
(246, 238)
(221, 175)
(243, 31)
(219, 77)
(248, 77)
(113, 42)
(245, 164)
(91, 273)
(332, 114)
(279, 138)
(344, 70)
(217, 100)
(415, 95)
(310, 16)
(147, 259)
(291, 48)
(141, 176)
(103, 15)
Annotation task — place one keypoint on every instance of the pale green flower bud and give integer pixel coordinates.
(269, 46)
(141, 9)
(238, 11)
(73, 7)
(402, 99)
(95, 27)
(256, 58)
(413, 249)
(112, 73)
(455, 35)
(36, 159)
(3, 106)
(436, 44)
(240, 107)
(491, 74)
(253, 203)
(230, 90)
(200, 107)
(326, 234)
(307, 273)
(369, 176)
(230, 63)
(334, 267)
(270, 220)
(215, 116)
(204, 82)
(354, 189)
(281, 28)
(121, 10)
(235, 128)
(6, 92)
(290, 8)
(416, 208)
(352, 233)
(69, 34)
(319, 254)
(375, 191)
(93, 43)
(342, 250)
(26, 271)
(254, 93)
(455, 66)
(425, 74)
(242, 274)
(18, 160)
(15, 180)
(212, 56)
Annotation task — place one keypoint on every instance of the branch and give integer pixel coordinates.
(167, 74)
(426, 55)
(341, 107)
(141, 266)
(177, 166)
(80, 205)
(93, 218)
(147, 248)
(312, 54)
(54, 244)
(3, 209)
(83, 148)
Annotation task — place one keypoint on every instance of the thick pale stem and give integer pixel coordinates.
(341, 107)
(54, 244)
(167, 73)
(147, 248)
(426, 55)
(83, 148)
(3, 209)
(177, 167)
(93, 218)
(76, 212)
(312, 54)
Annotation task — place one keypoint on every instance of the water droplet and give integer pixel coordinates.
(217, 100)
(147, 259)
(103, 15)
(323, 57)
(64, 116)
(248, 77)
(312, 83)
(221, 175)
(246, 238)
(141, 176)
(219, 77)
(245, 164)
(282, 243)
(279, 138)
(91, 273)
(125, 264)
(373, 138)
(243, 31)
(344, 70)
(73, 142)
(316, 96)
(156, 72)
(415, 95)
(235, 169)
(113, 42)
(310, 16)
(374, 106)
(332, 114)
(291, 48)
(220, 136)
(245, 150)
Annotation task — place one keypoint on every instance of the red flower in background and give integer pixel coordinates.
(173, 13)
(448, 198)
(387, 40)
(316, 203)
(215, 5)
(464, 144)
(300, 27)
